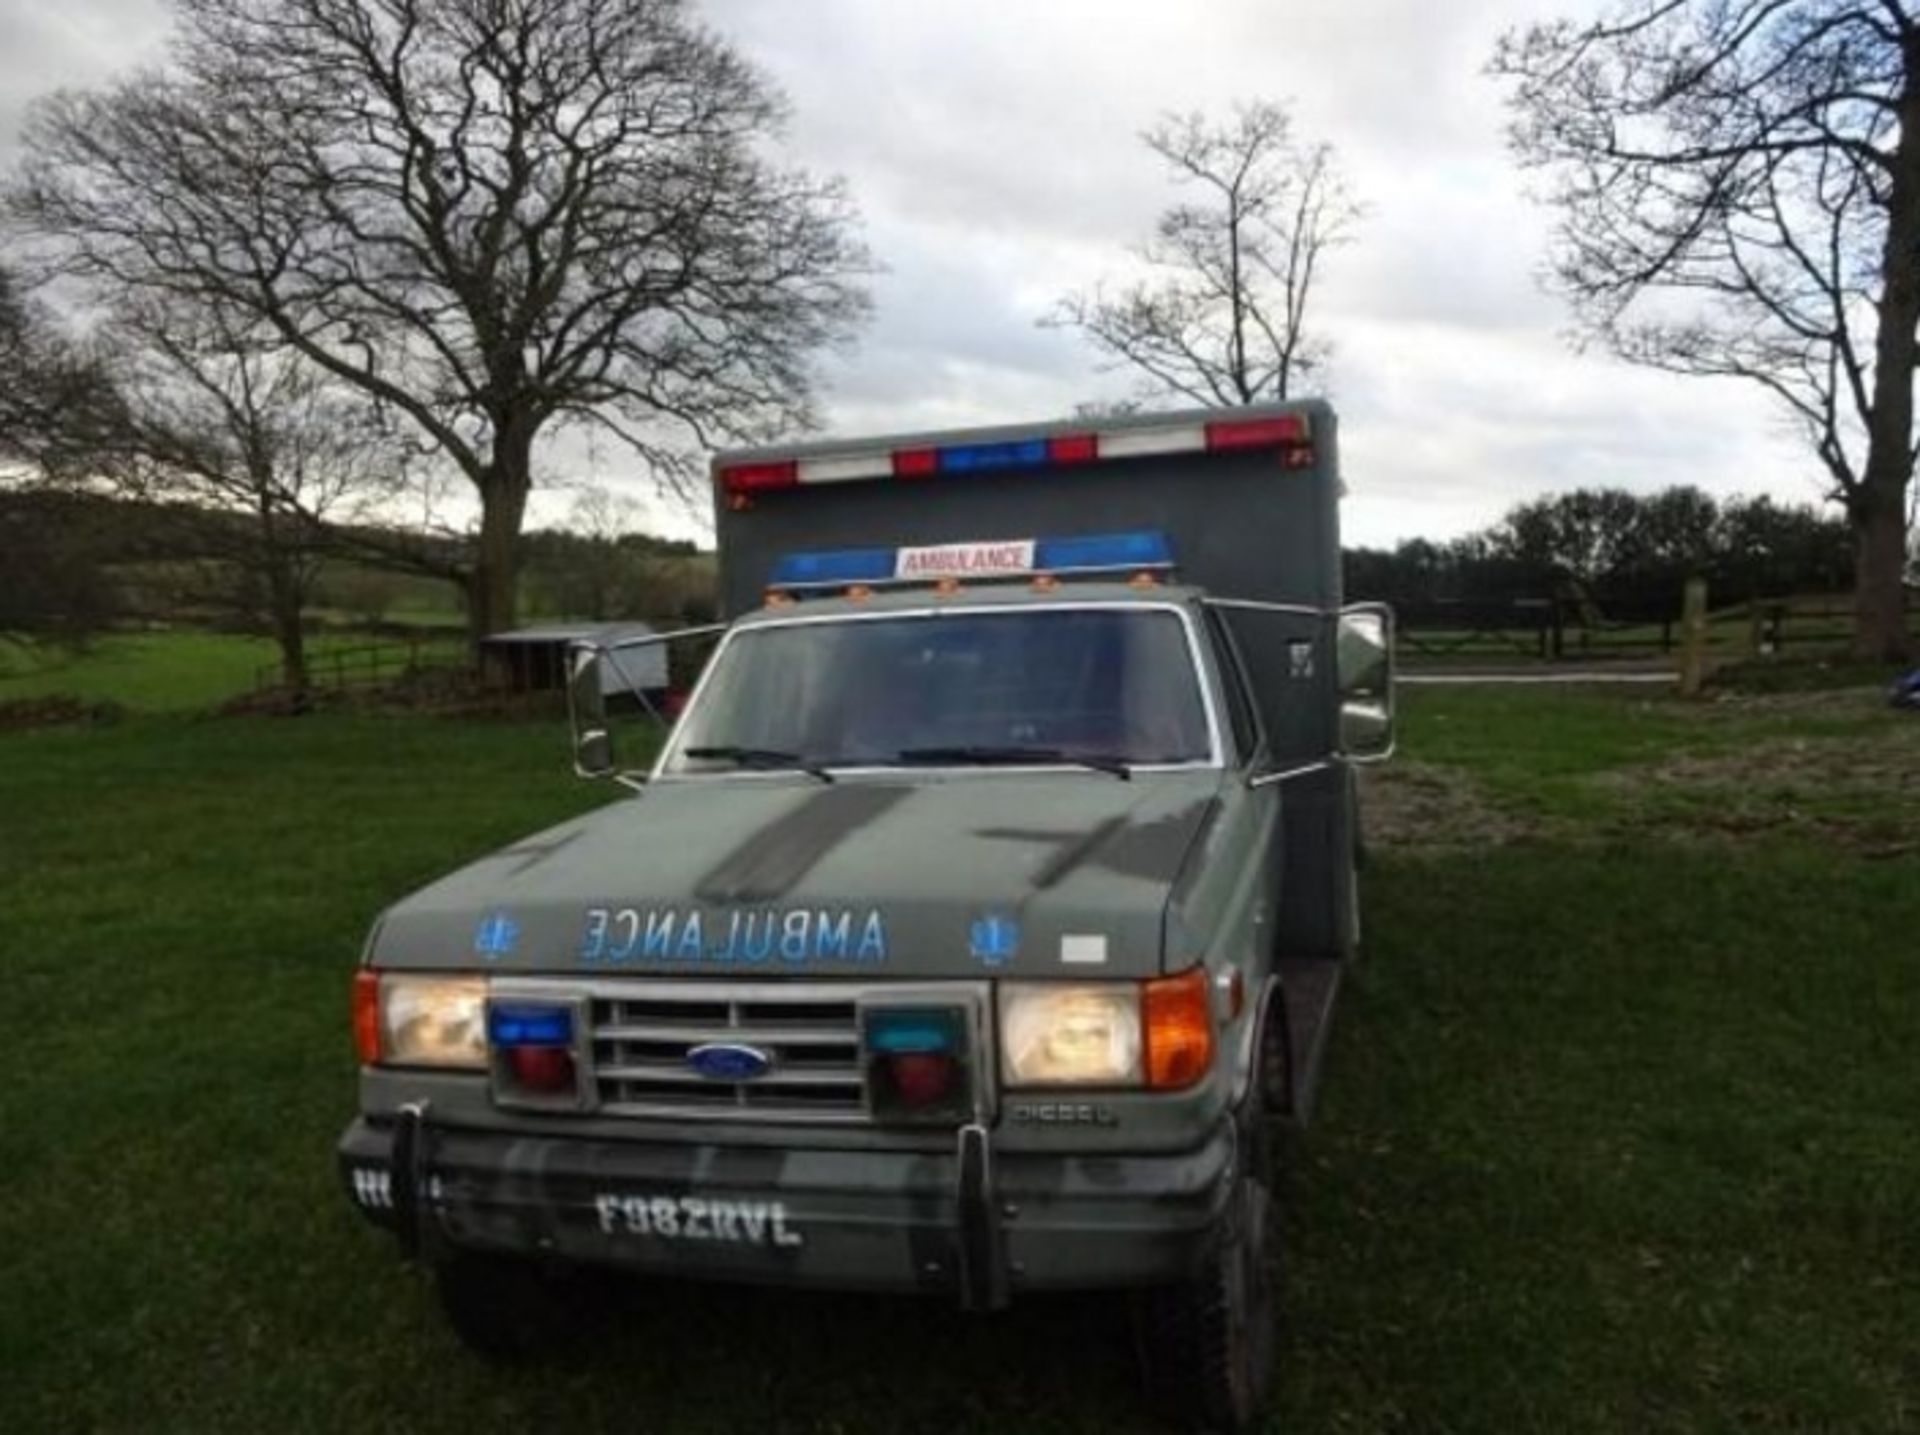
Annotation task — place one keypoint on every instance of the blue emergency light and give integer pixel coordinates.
(1090, 553)
(529, 1025)
(988, 457)
(912, 1032)
(824, 570)
(1103, 552)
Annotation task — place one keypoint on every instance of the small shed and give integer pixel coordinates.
(534, 660)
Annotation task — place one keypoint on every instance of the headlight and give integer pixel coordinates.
(1058, 1035)
(432, 1021)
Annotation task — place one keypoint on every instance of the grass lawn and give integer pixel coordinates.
(1618, 1131)
(176, 671)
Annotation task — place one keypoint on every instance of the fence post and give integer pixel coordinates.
(1693, 638)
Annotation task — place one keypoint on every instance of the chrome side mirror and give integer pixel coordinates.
(1363, 656)
(587, 708)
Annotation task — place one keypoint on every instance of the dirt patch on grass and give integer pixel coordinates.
(1847, 702)
(58, 710)
(1420, 805)
(1861, 791)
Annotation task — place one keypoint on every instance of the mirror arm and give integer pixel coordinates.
(1268, 779)
(1292, 610)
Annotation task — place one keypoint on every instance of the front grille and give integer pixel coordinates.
(641, 1041)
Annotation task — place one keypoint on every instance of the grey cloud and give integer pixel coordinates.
(992, 146)
(68, 42)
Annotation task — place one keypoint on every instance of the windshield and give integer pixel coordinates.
(958, 687)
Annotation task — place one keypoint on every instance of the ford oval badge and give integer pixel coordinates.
(729, 1061)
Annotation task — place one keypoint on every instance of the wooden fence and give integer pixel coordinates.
(1620, 627)
(371, 665)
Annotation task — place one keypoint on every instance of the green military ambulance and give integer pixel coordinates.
(977, 920)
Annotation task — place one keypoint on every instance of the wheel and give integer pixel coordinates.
(505, 1308)
(1207, 1345)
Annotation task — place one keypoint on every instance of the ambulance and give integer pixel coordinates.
(970, 933)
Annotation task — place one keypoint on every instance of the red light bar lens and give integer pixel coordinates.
(1258, 433)
(1073, 448)
(916, 462)
(748, 477)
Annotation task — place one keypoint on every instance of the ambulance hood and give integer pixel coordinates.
(971, 873)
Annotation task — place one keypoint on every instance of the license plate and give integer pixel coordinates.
(696, 1219)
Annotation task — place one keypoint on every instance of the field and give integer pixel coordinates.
(1618, 1130)
(183, 670)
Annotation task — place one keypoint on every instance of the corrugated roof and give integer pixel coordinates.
(572, 632)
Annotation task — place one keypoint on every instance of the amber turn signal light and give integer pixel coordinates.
(1177, 1021)
(366, 1016)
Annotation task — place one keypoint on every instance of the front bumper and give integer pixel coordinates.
(971, 1222)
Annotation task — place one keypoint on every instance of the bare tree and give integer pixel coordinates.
(491, 216)
(596, 573)
(53, 398)
(52, 392)
(248, 447)
(1739, 192)
(1221, 317)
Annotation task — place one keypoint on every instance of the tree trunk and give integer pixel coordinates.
(290, 632)
(1879, 594)
(285, 592)
(493, 587)
(1877, 508)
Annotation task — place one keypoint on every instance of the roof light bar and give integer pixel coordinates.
(1289, 432)
(1000, 558)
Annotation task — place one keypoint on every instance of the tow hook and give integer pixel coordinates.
(983, 1264)
(411, 1207)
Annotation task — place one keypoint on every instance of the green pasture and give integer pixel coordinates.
(1618, 1131)
(176, 670)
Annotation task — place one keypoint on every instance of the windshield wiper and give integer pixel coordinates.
(762, 759)
(1011, 756)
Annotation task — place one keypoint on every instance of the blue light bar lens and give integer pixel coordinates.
(824, 570)
(1103, 551)
(530, 1026)
(986, 457)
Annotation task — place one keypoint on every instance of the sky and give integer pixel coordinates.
(992, 147)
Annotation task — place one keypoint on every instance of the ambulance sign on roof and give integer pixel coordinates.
(966, 560)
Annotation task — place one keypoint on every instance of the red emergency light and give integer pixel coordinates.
(1073, 448)
(1281, 432)
(752, 477)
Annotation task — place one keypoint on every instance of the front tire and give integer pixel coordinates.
(1207, 1345)
(507, 1309)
